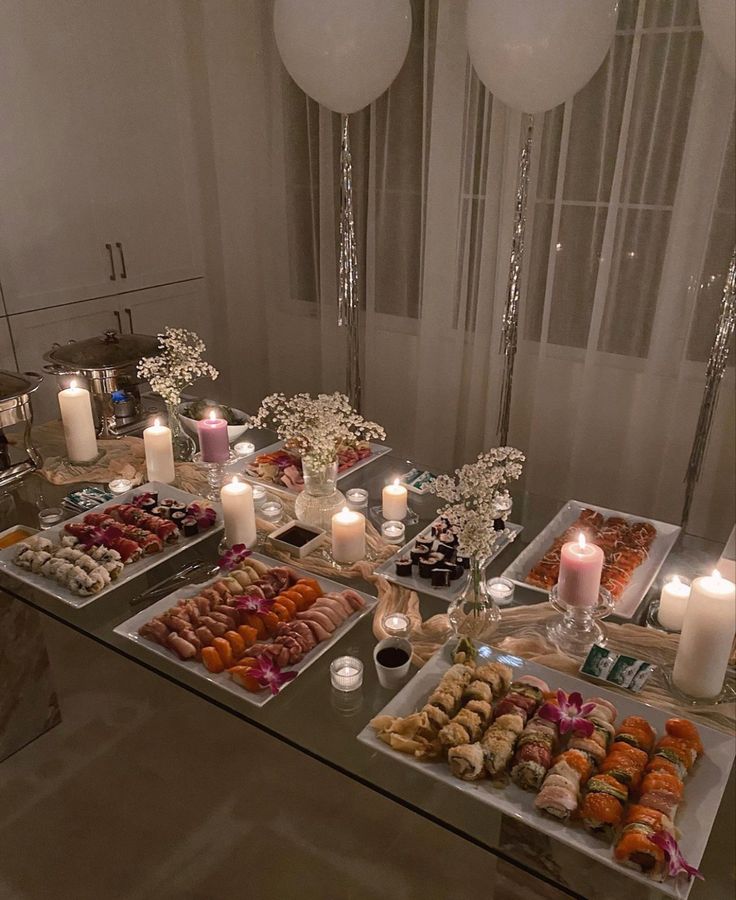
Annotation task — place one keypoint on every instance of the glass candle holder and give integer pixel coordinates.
(271, 510)
(120, 486)
(259, 495)
(346, 673)
(244, 448)
(576, 630)
(357, 499)
(396, 624)
(393, 531)
(501, 589)
(48, 518)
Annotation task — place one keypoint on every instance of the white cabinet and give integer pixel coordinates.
(95, 149)
(181, 305)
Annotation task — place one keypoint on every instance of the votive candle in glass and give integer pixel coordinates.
(259, 495)
(49, 517)
(346, 673)
(501, 590)
(673, 603)
(393, 532)
(213, 441)
(357, 499)
(271, 509)
(581, 566)
(244, 448)
(396, 624)
(120, 486)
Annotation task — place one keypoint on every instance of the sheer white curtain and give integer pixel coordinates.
(630, 227)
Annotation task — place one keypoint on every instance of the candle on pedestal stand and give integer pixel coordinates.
(395, 501)
(79, 425)
(238, 513)
(159, 451)
(348, 536)
(707, 637)
(213, 441)
(581, 565)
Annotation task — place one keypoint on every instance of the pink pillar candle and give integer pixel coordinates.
(213, 443)
(581, 565)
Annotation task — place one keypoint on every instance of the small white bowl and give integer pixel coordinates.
(233, 431)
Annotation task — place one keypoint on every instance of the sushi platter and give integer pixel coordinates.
(147, 629)
(421, 709)
(275, 450)
(640, 578)
(408, 568)
(146, 552)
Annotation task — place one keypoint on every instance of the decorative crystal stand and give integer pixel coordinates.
(215, 473)
(727, 695)
(577, 629)
(411, 518)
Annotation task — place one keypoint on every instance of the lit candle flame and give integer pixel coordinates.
(212, 414)
(73, 384)
(581, 541)
(676, 579)
(396, 482)
(716, 575)
(157, 423)
(235, 480)
(344, 511)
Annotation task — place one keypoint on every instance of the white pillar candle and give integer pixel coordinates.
(159, 453)
(348, 536)
(394, 498)
(673, 603)
(239, 513)
(79, 424)
(581, 565)
(707, 637)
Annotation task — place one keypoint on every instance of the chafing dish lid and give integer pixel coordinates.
(108, 351)
(17, 384)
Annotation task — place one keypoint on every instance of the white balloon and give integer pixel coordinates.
(343, 53)
(718, 18)
(535, 54)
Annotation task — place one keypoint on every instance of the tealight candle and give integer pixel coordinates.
(707, 637)
(47, 518)
(238, 513)
(120, 486)
(395, 501)
(244, 448)
(348, 536)
(213, 442)
(79, 425)
(346, 673)
(159, 453)
(396, 624)
(259, 494)
(357, 499)
(271, 510)
(673, 603)
(501, 590)
(393, 532)
(581, 565)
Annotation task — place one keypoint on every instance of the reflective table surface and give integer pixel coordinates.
(319, 721)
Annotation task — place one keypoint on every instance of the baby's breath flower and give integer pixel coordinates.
(315, 427)
(177, 366)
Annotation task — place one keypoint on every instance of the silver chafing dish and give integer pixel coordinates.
(106, 366)
(16, 409)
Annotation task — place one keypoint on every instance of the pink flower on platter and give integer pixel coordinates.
(232, 558)
(676, 862)
(569, 713)
(253, 603)
(268, 674)
(100, 536)
(205, 515)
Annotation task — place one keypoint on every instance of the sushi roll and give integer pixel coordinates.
(495, 674)
(178, 516)
(638, 732)
(478, 691)
(426, 565)
(499, 741)
(189, 526)
(464, 561)
(603, 807)
(148, 503)
(661, 791)
(177, 506)
(634, 847)
(440, 576)
(536, 747)
(161, 511)
(449, 538)
(404, 566)
(168, 502)
(467, 762)
(447, 550)
(417, 553)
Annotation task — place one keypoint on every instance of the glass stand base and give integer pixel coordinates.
(577, 629)
(411, 518)
(215, 473)
(727, 695)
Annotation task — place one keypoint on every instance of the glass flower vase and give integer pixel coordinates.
(474, 613)
(320, 499)
(184, 446)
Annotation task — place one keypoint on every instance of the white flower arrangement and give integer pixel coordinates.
(315, 427)
(477, 496)
(177, 366)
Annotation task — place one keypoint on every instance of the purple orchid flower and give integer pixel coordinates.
(140, 499)
(676, 862)
(205, 515)
(232, 558)
(569, 713)
(253, 603)
(100, 536)
(268, 674)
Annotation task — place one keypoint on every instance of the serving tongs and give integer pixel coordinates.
(194, 572)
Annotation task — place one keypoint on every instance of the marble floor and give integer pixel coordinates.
(145, 791)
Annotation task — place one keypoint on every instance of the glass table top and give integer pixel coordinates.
(323, 723)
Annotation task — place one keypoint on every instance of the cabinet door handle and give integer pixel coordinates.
(129, 313)
(120, 321)
(122, 259)
(112, 262)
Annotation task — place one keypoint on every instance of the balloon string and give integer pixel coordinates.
(713, 377)
(347, 298)
(510, 320)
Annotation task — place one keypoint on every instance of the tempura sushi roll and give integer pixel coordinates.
(496, 674)
(499, 742)
(467, 762)
(478, 690)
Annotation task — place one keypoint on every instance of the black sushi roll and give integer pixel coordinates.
(424, 545)
(426, 565)
(464, 561)
(147, 504)
(456, 570)
(498, 524)
(417, 553)
(177, 506)
(168, 501)
(448, 537)
(163, 512)
(189, 526)
(178, 516)
(447, 550)
(404, 565)
(440, 576)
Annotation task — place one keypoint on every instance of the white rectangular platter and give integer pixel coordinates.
(377, 450)
(704, 787)
(631, 599)
(129, 629)
(423, 585)
(131, 570)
